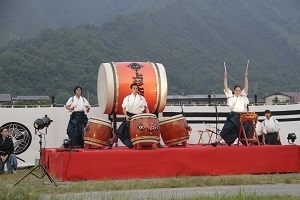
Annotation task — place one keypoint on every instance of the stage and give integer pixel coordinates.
(194, 160)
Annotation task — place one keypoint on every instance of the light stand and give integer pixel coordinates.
(216, 109)
(39, 166)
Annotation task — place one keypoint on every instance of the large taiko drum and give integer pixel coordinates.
(114, 80)
(98, 132)
(144, 131)
(174, 130)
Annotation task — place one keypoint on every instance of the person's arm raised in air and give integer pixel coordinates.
(225, 83)
(246, 82)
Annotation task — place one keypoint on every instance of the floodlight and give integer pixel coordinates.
(291, 138)
(42, 123)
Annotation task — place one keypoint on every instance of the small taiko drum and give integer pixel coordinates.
(174, 130)
(144, 131)
(114, 80)
(248, 117)
(98, 132)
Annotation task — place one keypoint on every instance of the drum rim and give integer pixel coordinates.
(143, 115)
(101, 121)
(171, 119)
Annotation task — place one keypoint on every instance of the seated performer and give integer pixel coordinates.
(132, 104)
(6, 153)
(78, 105)
(237, 101)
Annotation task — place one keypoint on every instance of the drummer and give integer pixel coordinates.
(132, 104)
(78, 105)
(237, 101)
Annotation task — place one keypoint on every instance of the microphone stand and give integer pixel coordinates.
(216, 109)
(180, 103)
(186, 126)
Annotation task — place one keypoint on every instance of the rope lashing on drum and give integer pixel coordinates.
(150, 128)
(188, 128)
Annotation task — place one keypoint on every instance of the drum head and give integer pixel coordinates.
(100, 121)
(106, 88)
(167, 119)
(143, 115)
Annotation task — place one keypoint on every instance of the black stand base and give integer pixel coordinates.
(45, 172)
(40, 166)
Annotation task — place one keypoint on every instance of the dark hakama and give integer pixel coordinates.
(231, 128)
(77, 123)
(123, 132)
(260, 138)
(271, 138)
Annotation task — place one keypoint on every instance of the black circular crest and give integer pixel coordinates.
(20, 135)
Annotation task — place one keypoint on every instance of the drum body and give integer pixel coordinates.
(144, 131)
(114, 80)
(98, 132)
(174, 130)
(248, 116)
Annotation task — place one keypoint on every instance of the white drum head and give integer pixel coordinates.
(163, 90)
(100, 121)
(170, 119)
(106, 88)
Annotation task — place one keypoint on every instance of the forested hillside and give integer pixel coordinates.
(191, 38)
(25, 18)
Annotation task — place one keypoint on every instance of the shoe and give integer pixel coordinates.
(109, 146)
(159, 145)
(14, 172)
(214, 144)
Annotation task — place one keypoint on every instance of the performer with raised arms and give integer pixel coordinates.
(237, 101)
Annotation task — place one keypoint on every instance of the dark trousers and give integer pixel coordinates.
(123, 132)
(271, 138)
(77, 122)
(231, 128)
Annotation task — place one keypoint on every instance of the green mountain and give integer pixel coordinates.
(25, 18)
(191, 38)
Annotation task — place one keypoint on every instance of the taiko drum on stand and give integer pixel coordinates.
(144, 131)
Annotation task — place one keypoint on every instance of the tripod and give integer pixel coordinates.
(39, 166)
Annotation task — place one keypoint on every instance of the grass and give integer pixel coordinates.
(33, 188)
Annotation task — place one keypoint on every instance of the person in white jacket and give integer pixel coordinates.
(237, 101)
(132, 104)
(78, 105)
(271, 129)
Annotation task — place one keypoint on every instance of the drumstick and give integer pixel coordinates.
(247, 65)
(225, 67)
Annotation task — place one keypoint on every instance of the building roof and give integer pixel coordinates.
(5, 98)
(278, 93)
(294, 95)
(30, 98)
